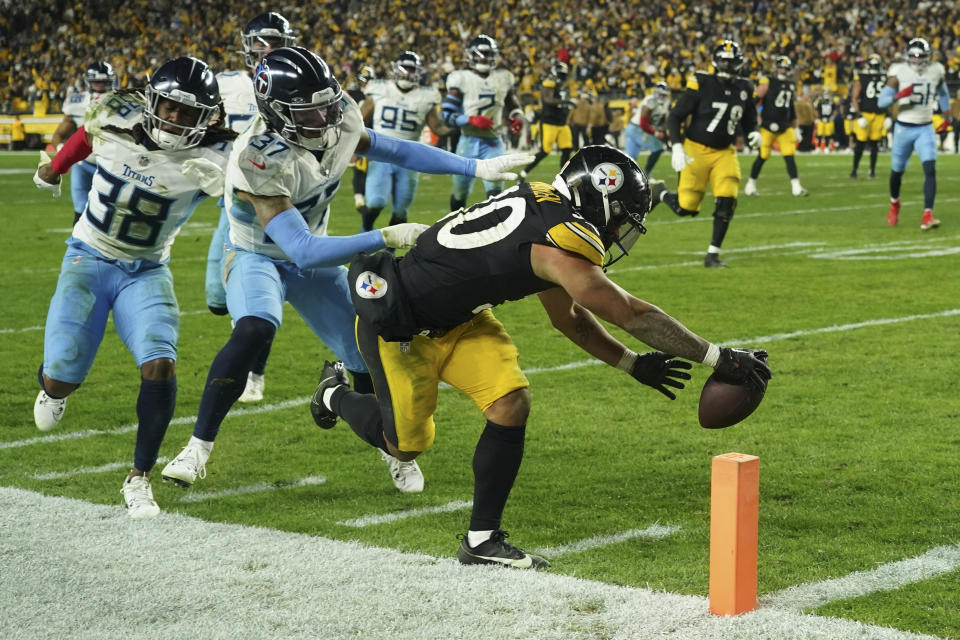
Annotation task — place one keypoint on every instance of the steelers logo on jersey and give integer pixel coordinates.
(371, 286)
(607, 178)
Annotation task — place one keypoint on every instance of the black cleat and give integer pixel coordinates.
(497, 550)
(332, 375)
(873, 175)
(713, 260)
(657, 190)
(853, 175)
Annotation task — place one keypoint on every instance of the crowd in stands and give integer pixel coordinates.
(616, 48)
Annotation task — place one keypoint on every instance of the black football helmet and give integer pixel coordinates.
(874, 63)
(918, 54)
(191, 83)
(482, 54)
(267, 31)
(783, 67)
(299, 98)
(611, 192)
(100, 77)
(560, 71)
(407, 70)
(661, 90)
(727, 59)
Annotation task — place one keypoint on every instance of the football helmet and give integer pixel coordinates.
(100, 78)
(482, 54)
(267, 31)
(661, 90)
(918, 54)
(874, 63)
(190, 83)
(299, 98)
(610, 191)
(783, 67)
(727, 59)
(407, 70)
(560, 71)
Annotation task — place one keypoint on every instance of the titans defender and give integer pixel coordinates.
(916, 84)
(868, 83)
(778, 124)
(648, 126)
(719, 105)
(555, 108)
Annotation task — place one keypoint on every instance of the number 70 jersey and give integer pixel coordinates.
(397, 113)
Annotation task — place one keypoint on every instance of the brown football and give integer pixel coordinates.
(723, 404)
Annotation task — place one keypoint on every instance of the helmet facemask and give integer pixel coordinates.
(407, 73)
(174, 136)
(482, 55)
(314, 125)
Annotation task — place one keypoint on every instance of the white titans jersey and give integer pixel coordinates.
(76, 105)
(239, 101)
(659, 110)
(265, 164)
(482, 96)
(397, 113)
(139, 200)
(918, 107)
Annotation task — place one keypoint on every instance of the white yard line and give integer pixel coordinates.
(653, 532)
(384, 518)
(112, 466)
(309, 481)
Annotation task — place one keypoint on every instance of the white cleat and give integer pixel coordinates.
(139, 497)
(800, 192)
(750, 189)
(47, 411)
(184, 469)
(253, 392)
(407, 477)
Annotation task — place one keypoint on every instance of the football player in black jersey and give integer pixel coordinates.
(868, 118)
(425, 318)
(555, 108)
(718, 105)
(778, 124)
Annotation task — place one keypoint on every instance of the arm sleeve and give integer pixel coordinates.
(417, 156)
(684, 107)
(452, 110)
(289, 230)
(75, 149)
(943, 95)
(886, 97)
(647, 125)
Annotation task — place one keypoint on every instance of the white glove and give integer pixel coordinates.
(206, 174)
(495, 169)
(53, 188)
(754, 139)
(862, 122)
(679, 159)
(403, 235)
(798, 134)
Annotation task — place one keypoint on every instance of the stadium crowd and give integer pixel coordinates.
(616, 48)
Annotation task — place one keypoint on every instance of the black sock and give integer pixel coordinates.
(260, 364)
(720, 227)
(457, 204)
(155, 406)
(362, 382)
(896, 177)
(857, 154)
(395, 219)
(652, 160)
(672, 200)
(874, 150)
(929, 183)
(496, 462)
(755, 169)
(362, 412)
(791, 163)
(536, 160)
(369, 216)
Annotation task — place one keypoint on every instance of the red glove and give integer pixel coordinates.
(480, 122)
(516, 125)
(944, 126)
(905, 92)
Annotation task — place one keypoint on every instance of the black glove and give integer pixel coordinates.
(658, 369)
(743, 366)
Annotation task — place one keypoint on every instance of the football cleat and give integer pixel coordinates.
(800, 192)
(657, 190)
(184, 469)
(47, 411)
(407, 477)
(751, 189)
(894, 215)
(928, 221)
(253, 392)
(138, 496)
(332, 375)
(713, 260)
(496, 550)
(853, 175)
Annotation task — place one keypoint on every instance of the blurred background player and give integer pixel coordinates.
(868, 83)
(778, 117)
(826, 108)
(398, 107)
(648, 126)
(719, 104)
(360, 164)
(475, 101)
(261, 35)
(917, 84)
(98, 79)
(554, 112)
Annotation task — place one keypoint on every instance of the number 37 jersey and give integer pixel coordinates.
(477, 258)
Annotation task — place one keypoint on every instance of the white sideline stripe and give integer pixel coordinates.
(890, 576)
(112, 466)
(653, 532)
(309, 481)
(255, 583)
(367, 521)
(286, 404)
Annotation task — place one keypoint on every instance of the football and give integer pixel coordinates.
(723, 404)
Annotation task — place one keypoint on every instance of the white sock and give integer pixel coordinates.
(203, 444)
(328, 395)
(795, 182)
(713, 249)
(476, 537)
(751, 182)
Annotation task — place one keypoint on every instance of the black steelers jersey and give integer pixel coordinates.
(718, 108)
(871, 84)
(553, 109)
(477, 258)
(778, 105)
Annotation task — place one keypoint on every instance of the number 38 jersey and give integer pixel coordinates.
(397, 113)
(139, 200)
(477, 258)
(718, 106)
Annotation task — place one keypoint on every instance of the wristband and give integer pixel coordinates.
(713, 356)
(627, 360)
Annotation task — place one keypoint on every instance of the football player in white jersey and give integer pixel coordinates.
(261, 35)
(475, 102)
(144, 190)
(99, 78)
(397, 107)
(648, 126)
(917, 85)
(283, 174)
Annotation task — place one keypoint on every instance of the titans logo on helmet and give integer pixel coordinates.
(262, 81)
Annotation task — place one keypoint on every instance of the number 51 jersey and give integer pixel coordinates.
(477, 258)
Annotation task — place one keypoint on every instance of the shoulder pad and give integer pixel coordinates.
(579, 237)
(549, 83)
(693, 81)
(119, 110)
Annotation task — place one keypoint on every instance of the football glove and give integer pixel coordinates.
(206, 174)
(679, 158)
(659, 371)
(754, 139)
(403, 235)
(797, 134)
(905, 92)
(516, 125)
(52, 187)
(480, 122)
(944, 126)
(862, 122)
(743, 366)
(496, 169)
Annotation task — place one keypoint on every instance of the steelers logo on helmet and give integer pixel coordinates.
(370, 286)
(607, 178)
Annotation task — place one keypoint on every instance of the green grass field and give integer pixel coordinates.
(857, 436)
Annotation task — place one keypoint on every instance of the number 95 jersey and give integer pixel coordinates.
(477, 258)
(397, 113)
